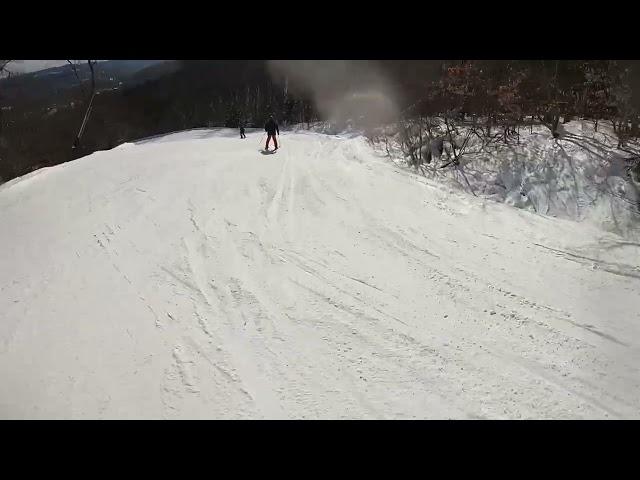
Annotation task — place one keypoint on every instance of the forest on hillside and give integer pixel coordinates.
(499, 97)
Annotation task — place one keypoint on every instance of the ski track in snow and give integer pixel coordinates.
(192, 277)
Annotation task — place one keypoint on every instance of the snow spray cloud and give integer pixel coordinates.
(343, 91)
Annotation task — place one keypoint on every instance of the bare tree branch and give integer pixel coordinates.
(3, 65)
(75, 71)
(93, 77)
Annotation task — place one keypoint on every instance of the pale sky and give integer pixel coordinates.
(25, 66)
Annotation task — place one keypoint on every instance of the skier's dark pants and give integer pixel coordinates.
(269, 137)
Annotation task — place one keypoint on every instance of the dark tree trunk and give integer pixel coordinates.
(554, 130)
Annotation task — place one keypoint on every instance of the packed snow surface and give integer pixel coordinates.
(191, 276)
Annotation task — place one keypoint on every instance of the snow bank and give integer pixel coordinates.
(581, 176)
(25, 180)
(345, 130)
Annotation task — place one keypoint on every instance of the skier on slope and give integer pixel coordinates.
(242, 135)
(271, 127)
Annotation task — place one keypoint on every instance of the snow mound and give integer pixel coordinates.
(581, 176)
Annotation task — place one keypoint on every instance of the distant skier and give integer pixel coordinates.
(242, 135)
(271, 127)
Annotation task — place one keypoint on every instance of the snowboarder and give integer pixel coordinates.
(242, 135)
(271, 127)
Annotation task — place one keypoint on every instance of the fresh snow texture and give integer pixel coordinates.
(189, 276)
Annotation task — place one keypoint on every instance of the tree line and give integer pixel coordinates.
(498, 98)
(495, 100)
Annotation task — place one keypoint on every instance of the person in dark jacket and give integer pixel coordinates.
(242, 135)
(271, 127)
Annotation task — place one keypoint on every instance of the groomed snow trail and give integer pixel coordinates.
(189, 276)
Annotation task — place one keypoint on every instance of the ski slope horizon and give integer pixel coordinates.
(189, 276)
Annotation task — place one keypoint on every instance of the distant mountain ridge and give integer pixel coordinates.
(45, 84)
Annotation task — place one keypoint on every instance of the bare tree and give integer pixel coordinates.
(3, 64)
(74, 67)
